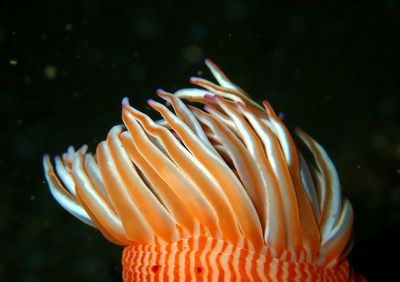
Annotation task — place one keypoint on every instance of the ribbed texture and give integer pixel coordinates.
(208, 259)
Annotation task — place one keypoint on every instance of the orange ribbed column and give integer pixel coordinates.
(208, 259)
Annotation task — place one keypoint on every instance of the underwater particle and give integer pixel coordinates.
(20, 121)
(68, 27)
(27, 79)
(50, 72)
(13, 62)
(76, 94)
(193, 54)
(378, 141)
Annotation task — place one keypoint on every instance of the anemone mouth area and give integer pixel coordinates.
(215, 259)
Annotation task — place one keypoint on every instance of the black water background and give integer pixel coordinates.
(332, 69)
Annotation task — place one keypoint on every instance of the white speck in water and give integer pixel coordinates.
(378, 141)
(68, 27)
(50, 72)
(27, 79)
(13, 62)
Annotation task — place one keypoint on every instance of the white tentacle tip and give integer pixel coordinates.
(209, 62)
(125, 101)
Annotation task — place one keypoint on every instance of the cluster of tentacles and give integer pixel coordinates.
(227, 169)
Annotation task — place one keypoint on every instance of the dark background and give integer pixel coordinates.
(332, 69)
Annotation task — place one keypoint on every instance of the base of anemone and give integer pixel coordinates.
(209, 259)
